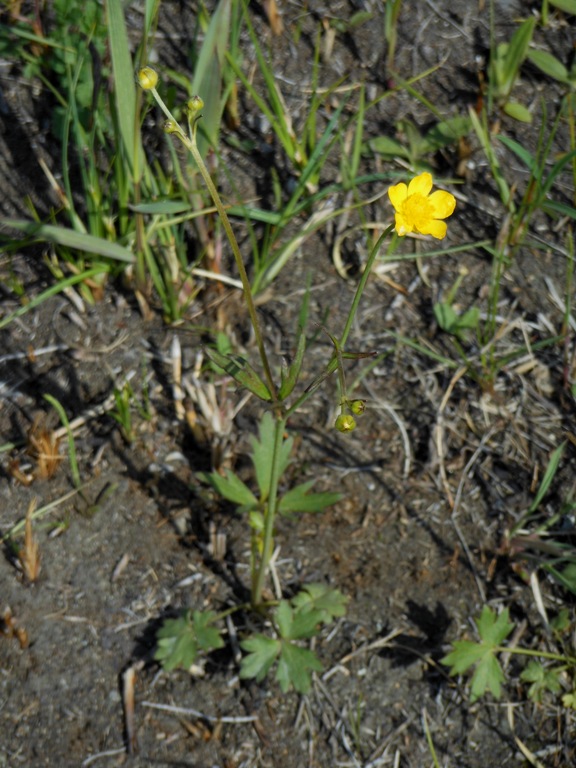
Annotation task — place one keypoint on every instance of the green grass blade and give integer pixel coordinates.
(556, 169)
(124, 86)
(516, 53)
(150, 14)
(208, 74)
(559, 209)
(527, 158)
(52, 291)
(58, 407)
(568, 6)
(71, 239)
(484, 137)
(549, 475)
(358, 135)
(317, 157)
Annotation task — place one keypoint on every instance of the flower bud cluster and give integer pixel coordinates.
(346, 421)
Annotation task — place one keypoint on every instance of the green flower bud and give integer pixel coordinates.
(147, 78)
(195, 104)
(345, 422)
(357, 406)
(170, 126)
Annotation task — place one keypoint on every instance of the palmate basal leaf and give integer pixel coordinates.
(493, 629)
(542, 680)
(295, 666)
(325, 602)
(488, 675)
(296, 626)
(262, 652)
(179, 640)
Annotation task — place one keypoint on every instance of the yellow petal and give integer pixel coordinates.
(397, 194)
(401, 226)
(420, 185)
(443, 204)
(435, 228)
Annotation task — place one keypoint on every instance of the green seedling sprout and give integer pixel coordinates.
(123, 411)
(391, 14)
(504, 68)
(74, 469)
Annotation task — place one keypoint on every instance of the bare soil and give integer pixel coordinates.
(436, 471)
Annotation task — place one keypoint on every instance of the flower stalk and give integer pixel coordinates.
(194, 107)
(269, 516)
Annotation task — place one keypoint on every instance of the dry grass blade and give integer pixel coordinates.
(44, 447)
(29, 554)
(128, 680)
(9, 628)
(273, 16)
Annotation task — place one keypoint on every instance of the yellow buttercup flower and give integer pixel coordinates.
(419, 211)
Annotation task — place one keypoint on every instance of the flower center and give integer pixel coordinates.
(417, 210)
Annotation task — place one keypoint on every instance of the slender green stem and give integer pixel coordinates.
(430, 741)
(333, 363)
(362, 284)
(190, 144)
(237, 607)
(498, 268)
(538, 654)
(270, 514)
(330, 368)
(341, 379)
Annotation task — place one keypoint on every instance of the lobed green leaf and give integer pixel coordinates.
(542, 679)
(230, 487)
(328, 603)
(294, 668)
(296, 625)
(487, 676)
(179, 640)
(263, 454)
(262, 652)
(299, 499)
(464, 655)
(493, 630)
